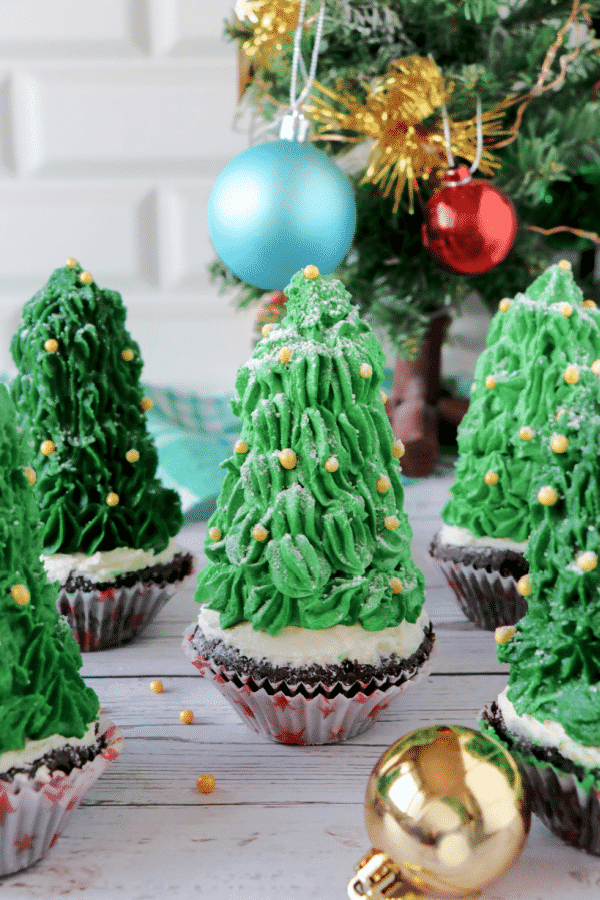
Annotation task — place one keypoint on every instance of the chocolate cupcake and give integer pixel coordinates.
(108, 522)
(311, 619)
(536, 345)
(53, 742)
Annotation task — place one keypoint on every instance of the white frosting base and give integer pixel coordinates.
(463, 537)
(304, 647)
(546, 734)
(104, 565)
(35, 749)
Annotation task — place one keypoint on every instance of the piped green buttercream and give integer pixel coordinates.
(328, 557)
(41, 691)
(78, 385)
(529, 347)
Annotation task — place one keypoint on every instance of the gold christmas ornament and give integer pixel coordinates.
(366, 370)
(525, 433)
(273, 23)
(504, 305)
(51, 345)
(86, 277)
(20, 594)
(571, 374)
(447, 814)
(402, 115)
(490, 382)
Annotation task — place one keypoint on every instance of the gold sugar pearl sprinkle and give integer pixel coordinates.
(132, 456)
(214, 533)
(156, 687)
(525, 433)
(383, 396)
(547, 495)
(285, 354)
(366, 370)
(525, 585)
(391, 522)
(559, 443)
(112, 499)
(565, 264)
(398, 449)
(30, 475)
(571, 374)
(504, 633)
(311, 271)
(186, 716)
(85, 277)
(266, 330)
(205, 784)
(71, 263)
(396, 585)
(595, 367)
(589, 303)
(259, 533)
(127, 355)
(288, 458)
(587, 561)
(504, 305)
(473, 386)
(566, 309)
(241, 447)
(490, 382)
(491, 477)
(20, 594)
(332, 464)
(51, 345)
(146, 403)
(383, 484)
(47, 447)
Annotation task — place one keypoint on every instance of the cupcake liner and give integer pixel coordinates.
(487, 598)
(295, 713)
(35, 812)
(101, 619)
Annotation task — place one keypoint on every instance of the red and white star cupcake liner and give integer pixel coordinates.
(296, 713)
(33, 813)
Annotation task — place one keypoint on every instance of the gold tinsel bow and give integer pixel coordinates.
(402, 114)
(273, 22)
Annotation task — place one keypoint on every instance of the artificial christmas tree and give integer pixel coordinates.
(537, 343)
(385, 72)
(309, 544)
(49, 719)
(79, 399)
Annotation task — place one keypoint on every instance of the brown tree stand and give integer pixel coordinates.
(413, 405)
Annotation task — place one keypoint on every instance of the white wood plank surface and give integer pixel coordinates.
(283, 823)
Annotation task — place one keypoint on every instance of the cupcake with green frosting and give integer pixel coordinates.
(311, 617)
(538, 346)
(549, 714)
(53, 741)
(108, 524)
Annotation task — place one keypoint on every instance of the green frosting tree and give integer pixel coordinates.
(41, 691)
(309, 528)
(539, 346)
(555, 654)
(79, 398)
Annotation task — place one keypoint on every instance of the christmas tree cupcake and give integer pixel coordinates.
(312, 614)
(107, 521)
(53, 741)
(549, 715)
(538, 345)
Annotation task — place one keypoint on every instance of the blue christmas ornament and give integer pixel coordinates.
(278, 207)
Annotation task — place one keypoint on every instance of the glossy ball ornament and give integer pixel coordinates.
(446, 812)
(469, 225)
(277, 207)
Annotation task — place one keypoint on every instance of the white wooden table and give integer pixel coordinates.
(283, 823)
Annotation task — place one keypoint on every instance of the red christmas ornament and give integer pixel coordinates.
(469, 225)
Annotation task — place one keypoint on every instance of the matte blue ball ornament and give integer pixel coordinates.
(278, 207)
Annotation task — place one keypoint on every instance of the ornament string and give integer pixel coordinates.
(448, 142)
(292, 123)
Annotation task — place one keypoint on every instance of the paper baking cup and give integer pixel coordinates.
(563, 804)
(34, 813)
(103, 619)
(303, 714)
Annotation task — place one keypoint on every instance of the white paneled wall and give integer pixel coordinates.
(115, 119)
